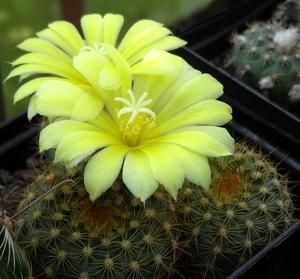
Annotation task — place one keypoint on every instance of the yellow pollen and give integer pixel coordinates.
(132, 134)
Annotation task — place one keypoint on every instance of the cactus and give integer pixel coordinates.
(117, 236)
(267, 57)
(210, 232)
(247, 206)
(287, 12)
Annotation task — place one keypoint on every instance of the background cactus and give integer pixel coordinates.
(247, 206)
(13, 262)
(287, 12)
(210, 232)
(267, 57)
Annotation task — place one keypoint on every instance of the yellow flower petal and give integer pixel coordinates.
(43, 59)
(93, 66)
(90, 65)
(166, 169)
(27, 70)
(92, 27)
(205, 140)
(52, 135)
(137, 175)
(42, 46)
(109, 78)
(57, 98)
(29, 88)
(122, 66)
(112, 25)
(201, 87)
(139, 30)
(60, 98)
(64, 35)
(77, 144)
(156, 63)
(88, 106)
(141, 38)
(157, 86)
(98, 29)
(195, 166)
(105, 123)
(103, 169)
(167, 43)
(186, 74)
(209, 112)
(31, 112)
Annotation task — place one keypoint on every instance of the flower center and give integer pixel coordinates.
(135, 128)
(133, 133)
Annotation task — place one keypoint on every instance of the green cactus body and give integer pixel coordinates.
(13, 263)
(247, 206)
(267, 57)
(210, 232)
(117, 236)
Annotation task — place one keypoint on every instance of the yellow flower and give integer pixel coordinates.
(155, 129)
(52, 53)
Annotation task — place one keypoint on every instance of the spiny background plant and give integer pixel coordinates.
(247, 206)
(267, 57)
(13, 261)
(287, 12)
(210, 232)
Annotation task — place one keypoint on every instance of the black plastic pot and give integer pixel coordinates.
(17, 141)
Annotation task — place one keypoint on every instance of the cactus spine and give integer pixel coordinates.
(210, 232)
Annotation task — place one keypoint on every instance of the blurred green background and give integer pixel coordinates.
(20, 19)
